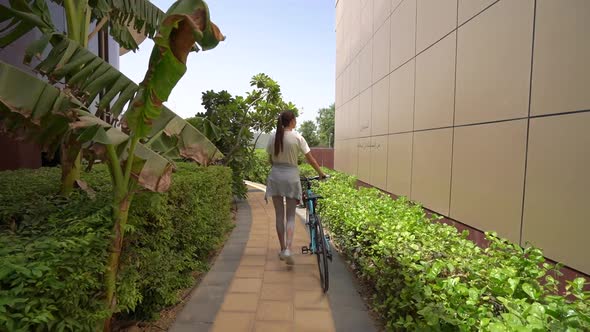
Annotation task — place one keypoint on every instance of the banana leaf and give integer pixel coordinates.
(21, 17)
(124, 15)
(169, 134)
(187, 22)
(45, 115)
(88, 76)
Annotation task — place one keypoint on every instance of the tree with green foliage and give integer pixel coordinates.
(325, 121)
(308, 130)
(231, 121)
(137, 153)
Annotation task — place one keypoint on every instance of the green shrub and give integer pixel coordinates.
(428, 277)
(173, 234)
(260, 167)
(53, 251)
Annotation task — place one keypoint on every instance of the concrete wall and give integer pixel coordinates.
(477, 109)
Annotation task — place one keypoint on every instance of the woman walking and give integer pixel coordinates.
(283, 183)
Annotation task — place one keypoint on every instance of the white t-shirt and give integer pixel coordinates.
(293, 143)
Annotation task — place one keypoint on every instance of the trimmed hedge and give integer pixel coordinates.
(428, 277)
(53, 250)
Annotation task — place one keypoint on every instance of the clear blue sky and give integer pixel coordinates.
(293, 41)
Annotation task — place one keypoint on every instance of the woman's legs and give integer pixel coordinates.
(280, 225)
(277, 201)
(291, 205)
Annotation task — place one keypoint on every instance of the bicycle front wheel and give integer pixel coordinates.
(322, 255)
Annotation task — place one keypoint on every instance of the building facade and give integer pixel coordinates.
(477, 109)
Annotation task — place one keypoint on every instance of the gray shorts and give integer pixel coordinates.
(283, 180)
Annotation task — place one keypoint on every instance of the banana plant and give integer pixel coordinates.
(122, 16)
(170, 135)
(132, 164)
(45, 114)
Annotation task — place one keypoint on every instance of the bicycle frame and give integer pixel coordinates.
(310, 205)
(311, 222)
(318, 240)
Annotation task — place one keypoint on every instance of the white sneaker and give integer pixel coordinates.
(288, 257)
(281, 257)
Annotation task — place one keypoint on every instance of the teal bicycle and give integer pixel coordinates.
(319, 242)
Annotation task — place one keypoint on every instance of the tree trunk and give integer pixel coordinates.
(120, 213)
(78, 21)
(71, 164)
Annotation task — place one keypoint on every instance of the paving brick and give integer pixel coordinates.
(244, 302)
(245, 285)
(253, 260)
(278, 277)
(313, 321)
(249, 271)
(280, 291)
(275, 264)
(306, 270)
(311, 300)
(258, 238)
(257, 243)
(266, 326)
(255, 251)
(306, 282)
(234, 322)
(275, 310)
(306, 259)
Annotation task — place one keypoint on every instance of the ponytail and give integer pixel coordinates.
(279, 136)
(282, 122)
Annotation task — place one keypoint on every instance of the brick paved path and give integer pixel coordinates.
(250, 289)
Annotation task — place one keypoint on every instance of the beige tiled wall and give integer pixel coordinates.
(435, 85)
(477, 109)
(380, 107)
(403, 34)
(379, 162)
(399, 164)
(488, 176)
(381, 52)
(557, 188)
(561, 75)
(435, 19)
(494, 64)
(431, 168)
(401, 98)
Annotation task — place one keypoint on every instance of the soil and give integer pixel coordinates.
(168, 315)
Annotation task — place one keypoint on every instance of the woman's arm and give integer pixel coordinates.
(311, 160)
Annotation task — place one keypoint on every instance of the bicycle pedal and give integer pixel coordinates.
(305, 250)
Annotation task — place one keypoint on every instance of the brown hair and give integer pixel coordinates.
(282, 122)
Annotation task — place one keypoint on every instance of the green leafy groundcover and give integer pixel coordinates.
(53, 250)
(428, 277)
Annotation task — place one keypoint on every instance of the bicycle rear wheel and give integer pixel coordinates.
(322, 255)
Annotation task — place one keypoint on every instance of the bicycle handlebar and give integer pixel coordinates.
(317, 177)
